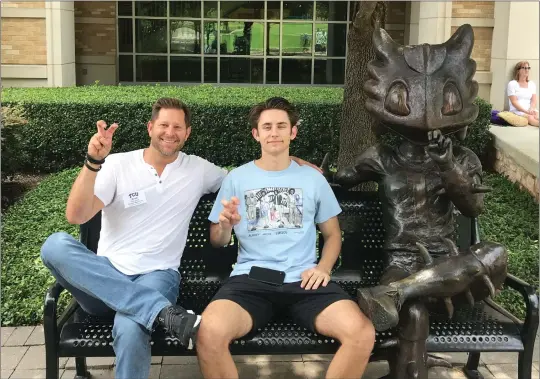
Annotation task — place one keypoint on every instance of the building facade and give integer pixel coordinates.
(66, 43)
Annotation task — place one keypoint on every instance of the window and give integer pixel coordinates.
(254, 42)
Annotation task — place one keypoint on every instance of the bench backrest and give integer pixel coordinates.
(363, 237)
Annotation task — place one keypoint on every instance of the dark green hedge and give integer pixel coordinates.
(62, 120)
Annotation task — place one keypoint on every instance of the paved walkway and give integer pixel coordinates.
(23, 356)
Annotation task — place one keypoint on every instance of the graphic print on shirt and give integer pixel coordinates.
(274, 208)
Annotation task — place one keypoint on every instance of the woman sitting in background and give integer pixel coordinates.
(522, 94)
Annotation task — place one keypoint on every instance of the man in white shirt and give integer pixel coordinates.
(147, 198)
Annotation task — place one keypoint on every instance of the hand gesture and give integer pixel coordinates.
(440, 149)
(100, 144)
(314, 277)
(229, 216)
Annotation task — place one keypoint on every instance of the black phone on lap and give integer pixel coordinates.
(267, 275)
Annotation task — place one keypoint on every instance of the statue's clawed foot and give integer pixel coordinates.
(434, 361)
(380, 304)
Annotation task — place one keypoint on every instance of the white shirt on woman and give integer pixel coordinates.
(524, 95)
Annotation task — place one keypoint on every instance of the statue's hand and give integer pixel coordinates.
(325, 167)
(440, 149)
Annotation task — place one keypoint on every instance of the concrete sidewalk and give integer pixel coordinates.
(23, 356)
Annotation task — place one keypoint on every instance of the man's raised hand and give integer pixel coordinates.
(229, 216)
(100, 144)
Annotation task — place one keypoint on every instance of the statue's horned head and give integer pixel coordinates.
(417, 89)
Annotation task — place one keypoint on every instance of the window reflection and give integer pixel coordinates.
(185, 69)
(329, 71)
(151, 8)
(210, 33)
(242, 38)
(272, 71)
(296, 71)
(125, 68)
(330, 39)
(185, 9)
(273, 10)
(297, 38)
(151, 36)
(242, 9)
(125, 8)
(241, 70)
(185, 37)
(331, 11)
(272, 34)
(151, 68)
(298, 10)
(210, 70)
(125, 35)
(210, 9)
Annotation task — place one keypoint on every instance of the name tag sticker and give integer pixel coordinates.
(135, 198)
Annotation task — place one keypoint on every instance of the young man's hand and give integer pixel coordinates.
(229, 216)
(314, 277)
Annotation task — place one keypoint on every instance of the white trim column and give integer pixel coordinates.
(429, 22)
(60, 26)
(515, 38)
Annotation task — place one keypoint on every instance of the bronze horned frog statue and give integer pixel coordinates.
(423, 93)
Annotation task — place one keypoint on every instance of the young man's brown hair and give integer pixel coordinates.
(171, 103)
(273, 103)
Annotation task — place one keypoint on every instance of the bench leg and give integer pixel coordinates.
(525, 364)
(52, 365)
(81, 371)
(471, 368)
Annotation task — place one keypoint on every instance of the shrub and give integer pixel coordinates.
(511, 218)
(25, 227)
(62, 120)
(13, 118)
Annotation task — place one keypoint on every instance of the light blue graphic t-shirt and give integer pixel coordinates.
(279, 210)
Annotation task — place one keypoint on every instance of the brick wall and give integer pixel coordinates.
(482, 47)
(23, 4)
(95, 9)
(473, 9)
(95, 37)
(23, 41)
(483, 35)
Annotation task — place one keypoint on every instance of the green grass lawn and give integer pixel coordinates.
(292, 41)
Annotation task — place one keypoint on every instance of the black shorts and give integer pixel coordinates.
(262, 300)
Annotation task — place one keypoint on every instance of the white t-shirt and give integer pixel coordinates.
(146, 217)
(523, 95)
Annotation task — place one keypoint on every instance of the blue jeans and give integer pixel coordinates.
(99, 287)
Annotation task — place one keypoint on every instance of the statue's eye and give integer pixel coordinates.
(451, 100)
(397, 100)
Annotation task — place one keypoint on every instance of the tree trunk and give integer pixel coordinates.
(356, 123)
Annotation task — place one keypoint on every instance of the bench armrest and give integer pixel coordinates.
(50, 326)
(530, 325)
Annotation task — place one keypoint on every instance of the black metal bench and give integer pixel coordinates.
(485, 328)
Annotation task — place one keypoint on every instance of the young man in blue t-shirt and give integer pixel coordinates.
(273, 205)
